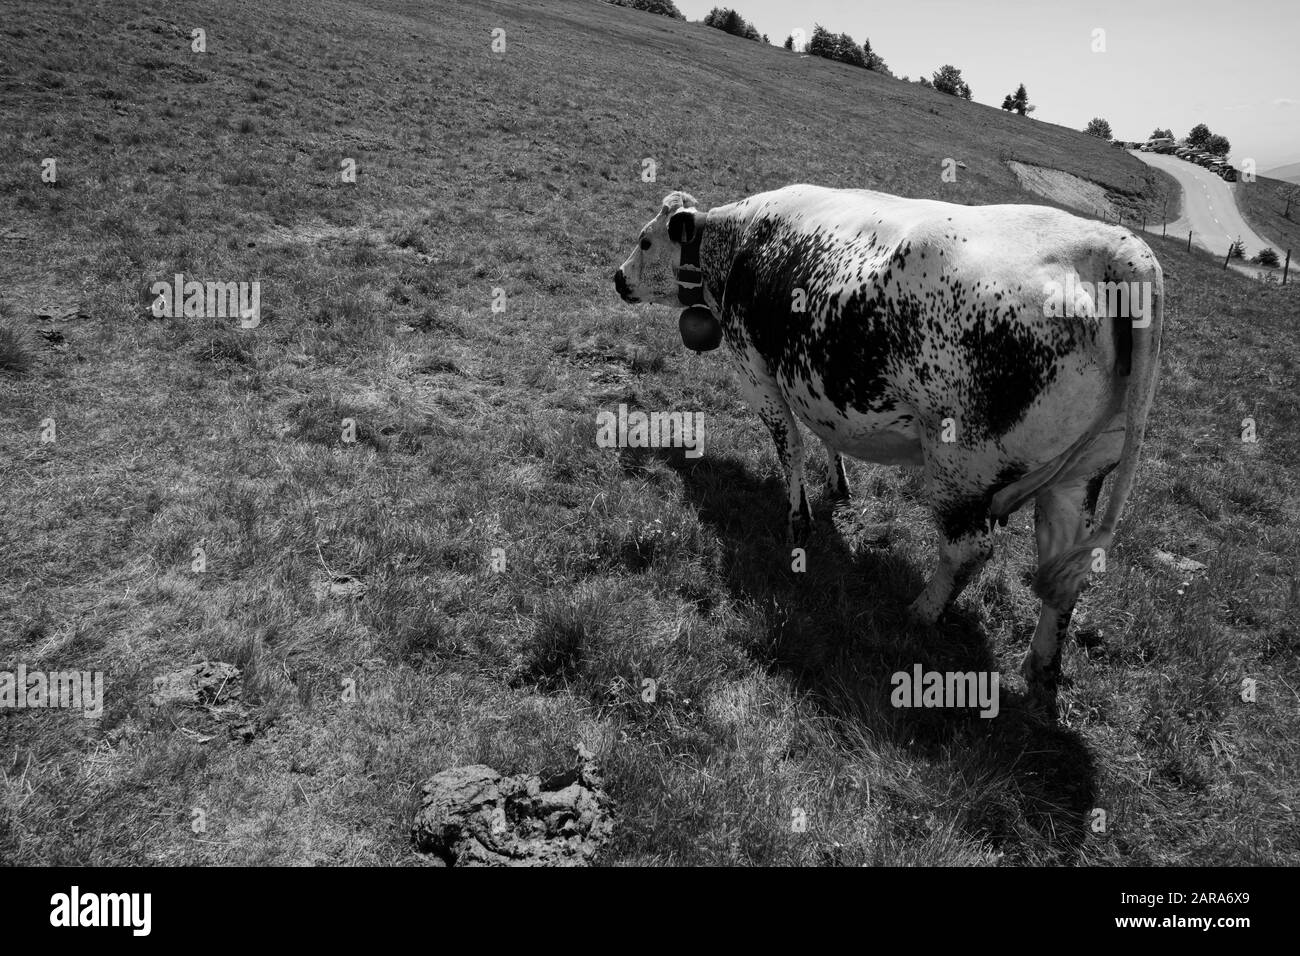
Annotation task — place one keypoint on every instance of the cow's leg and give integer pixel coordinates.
(837, 477)
(765, 397)
(960, 558)
(966, 538)
(1062, 517)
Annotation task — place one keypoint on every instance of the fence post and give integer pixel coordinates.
(1228, 256)
(1189, 240)
(1286, 266)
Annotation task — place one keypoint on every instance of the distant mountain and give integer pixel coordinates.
(1290, 172)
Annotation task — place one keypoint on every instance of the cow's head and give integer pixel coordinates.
(650, 272)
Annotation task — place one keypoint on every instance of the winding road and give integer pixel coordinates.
(1209, 208)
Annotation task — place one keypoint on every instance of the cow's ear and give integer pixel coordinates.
(681, 225)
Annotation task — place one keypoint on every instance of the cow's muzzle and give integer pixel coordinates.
(620, 284)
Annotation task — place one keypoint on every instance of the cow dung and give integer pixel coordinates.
(474, 816)
(208, 684)
(212, 688)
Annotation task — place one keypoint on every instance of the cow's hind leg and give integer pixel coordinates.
(1061, 519)
(765, 397)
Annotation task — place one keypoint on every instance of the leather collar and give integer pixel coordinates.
(690, 281)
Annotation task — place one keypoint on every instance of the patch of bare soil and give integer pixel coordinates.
(1074, 191)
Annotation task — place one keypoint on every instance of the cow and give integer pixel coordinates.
(987, 345)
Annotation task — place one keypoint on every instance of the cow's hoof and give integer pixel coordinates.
(923, 611)
(1041, 681)
(799, 529)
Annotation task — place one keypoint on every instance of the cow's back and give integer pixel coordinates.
(876, 311)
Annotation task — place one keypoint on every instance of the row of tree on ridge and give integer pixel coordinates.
(947, 79)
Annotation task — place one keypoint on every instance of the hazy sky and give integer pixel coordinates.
(1231, 64)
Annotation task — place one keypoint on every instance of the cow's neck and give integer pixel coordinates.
(719, 241)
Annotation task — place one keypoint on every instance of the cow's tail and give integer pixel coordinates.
(1060, 579)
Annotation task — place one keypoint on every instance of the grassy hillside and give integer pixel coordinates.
(521, 171)
(1169, 196)
(1263, 204)
(1290, 172)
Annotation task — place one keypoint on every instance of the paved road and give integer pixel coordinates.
(1209, 207)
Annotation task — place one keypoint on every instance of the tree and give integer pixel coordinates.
(1218, 145)
(869, 58)
(842, 48)
(1018, 101)
(729, 21)
(1199, 136)
(1159, 133)
(1099, 128)
(789, 42)
(1021, 100)
(948, 80)
(849, 51)
(875, 62)
(823, 42)
(662, 7)
(765, 39)
(924, 81)
(1266, 257)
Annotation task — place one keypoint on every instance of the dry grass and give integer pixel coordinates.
(475, 431)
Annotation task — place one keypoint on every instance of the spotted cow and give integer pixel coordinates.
(1010, 352)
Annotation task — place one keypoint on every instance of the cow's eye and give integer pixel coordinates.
(645, 243)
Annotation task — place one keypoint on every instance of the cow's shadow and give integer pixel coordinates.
(840, 630)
